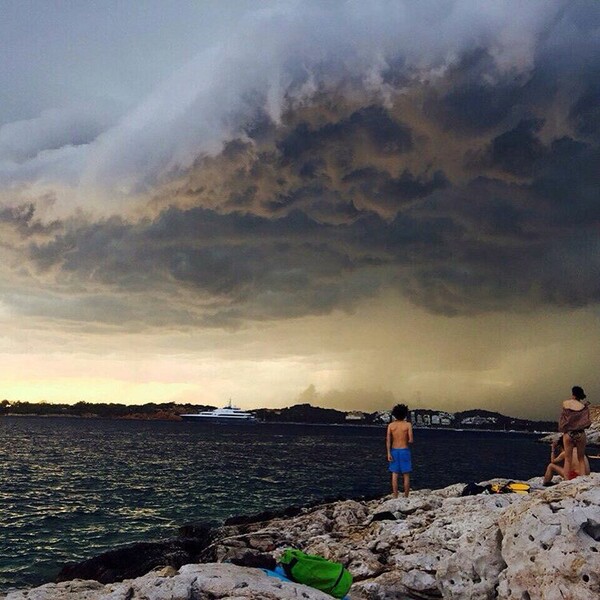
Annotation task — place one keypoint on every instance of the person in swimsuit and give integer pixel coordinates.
(574, 419)
(399, 435)
(554, 466)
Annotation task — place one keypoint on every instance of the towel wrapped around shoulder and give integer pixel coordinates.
(574, 420)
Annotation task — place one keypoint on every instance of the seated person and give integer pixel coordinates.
(555, 467)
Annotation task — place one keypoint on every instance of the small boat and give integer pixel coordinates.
(227, 414)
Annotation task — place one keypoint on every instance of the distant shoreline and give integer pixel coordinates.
(304, 413)
(350, 424)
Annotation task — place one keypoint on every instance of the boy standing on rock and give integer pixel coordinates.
(399, 436)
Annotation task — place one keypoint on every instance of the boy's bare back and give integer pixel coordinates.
(400, 433)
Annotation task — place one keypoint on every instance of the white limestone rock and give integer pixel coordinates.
(423, 500)
(215, 581)
(471, 569)
(388, 586)
(463, 548)
(69, 590)
(551, 544)
(348, 514)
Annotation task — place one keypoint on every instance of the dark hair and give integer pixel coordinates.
(400, 412)
(578, 392)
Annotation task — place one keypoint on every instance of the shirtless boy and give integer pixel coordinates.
(399, 436)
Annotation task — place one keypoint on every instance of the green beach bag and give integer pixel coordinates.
(316, 571)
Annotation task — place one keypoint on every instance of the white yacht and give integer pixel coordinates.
(227, 414)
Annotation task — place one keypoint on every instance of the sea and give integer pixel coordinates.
(73, 488)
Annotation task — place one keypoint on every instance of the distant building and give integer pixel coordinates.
(446, 419)
(478, 421)
(431, 418)
(383, 416)
(355, 415)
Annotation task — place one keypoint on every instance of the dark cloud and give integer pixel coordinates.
(475, 97)
(385, 190)
(372, 125)
(22, 218)
(516, 151)
(470, 187)
(257, 267)
(567, 183)
(585, 112)
(489, 245)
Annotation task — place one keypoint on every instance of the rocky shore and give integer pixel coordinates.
(436, 544)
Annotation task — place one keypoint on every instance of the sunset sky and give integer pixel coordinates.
(346, 203)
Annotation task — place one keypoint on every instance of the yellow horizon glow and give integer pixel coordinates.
(63, 390)
(522, 365)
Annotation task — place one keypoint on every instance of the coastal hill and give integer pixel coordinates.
(151, 410)
(298, 413)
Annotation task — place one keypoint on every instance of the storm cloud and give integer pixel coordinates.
(327, 153)
(387, 201)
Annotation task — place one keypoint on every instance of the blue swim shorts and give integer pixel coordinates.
(401, 462)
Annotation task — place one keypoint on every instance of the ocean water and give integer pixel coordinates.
(71, 488)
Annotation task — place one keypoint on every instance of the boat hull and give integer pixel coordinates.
(219, 420)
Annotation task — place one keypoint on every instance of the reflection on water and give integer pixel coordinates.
(73, 488)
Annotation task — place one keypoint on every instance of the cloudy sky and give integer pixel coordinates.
(342, 202)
